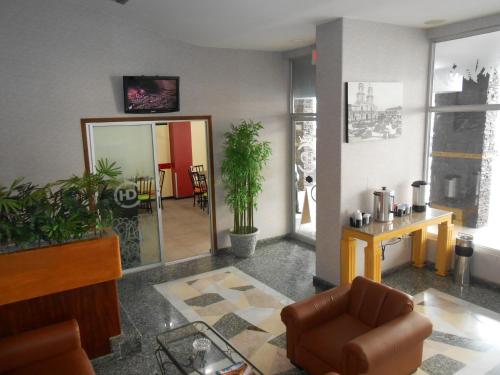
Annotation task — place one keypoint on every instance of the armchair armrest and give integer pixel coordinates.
(368, 351)
(304, 315)
(39, 344)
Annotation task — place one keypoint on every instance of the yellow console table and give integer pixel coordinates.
(374, 233)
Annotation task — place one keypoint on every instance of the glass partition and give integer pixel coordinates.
(136, 219)
(303, 107)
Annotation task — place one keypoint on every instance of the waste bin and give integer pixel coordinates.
(464, 248)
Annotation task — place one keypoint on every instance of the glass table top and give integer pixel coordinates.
(178, 346)
(376, 228)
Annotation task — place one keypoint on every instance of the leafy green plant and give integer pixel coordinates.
(60, 211)
(244, 159)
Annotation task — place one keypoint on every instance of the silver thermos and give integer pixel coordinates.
(420, 194)
(383, 205)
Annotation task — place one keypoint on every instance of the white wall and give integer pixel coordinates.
(61, 61)
(328, 150)
(351, 50)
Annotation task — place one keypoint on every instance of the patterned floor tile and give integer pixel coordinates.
(243, 288)
(231, 324)
(459, 341)
(441, 365)
(279, 341)
(204, 300)
(249, 341)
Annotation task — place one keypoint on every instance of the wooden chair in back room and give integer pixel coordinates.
(144, 192)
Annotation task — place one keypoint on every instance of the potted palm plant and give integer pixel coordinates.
(244, 159)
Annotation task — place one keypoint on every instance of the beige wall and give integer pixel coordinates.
(198, 147)
(199, 143)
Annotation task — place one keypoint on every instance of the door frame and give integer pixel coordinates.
(84, 122)
(92, 160)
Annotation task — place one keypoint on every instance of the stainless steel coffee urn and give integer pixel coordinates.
(383, 204)
(420, 194)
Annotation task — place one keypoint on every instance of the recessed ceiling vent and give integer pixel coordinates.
(122, 2)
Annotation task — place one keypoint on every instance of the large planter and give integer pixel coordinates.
(77, 280)
(243, 245)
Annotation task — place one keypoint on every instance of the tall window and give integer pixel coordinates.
(464, 166)
(303, 108)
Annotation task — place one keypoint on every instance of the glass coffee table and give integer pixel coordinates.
(196, 348)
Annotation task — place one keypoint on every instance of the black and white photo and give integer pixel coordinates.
(374, 110)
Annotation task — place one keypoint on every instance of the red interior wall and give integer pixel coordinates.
(181, 157)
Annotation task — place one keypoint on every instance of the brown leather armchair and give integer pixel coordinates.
(55, 349)
(363, 328)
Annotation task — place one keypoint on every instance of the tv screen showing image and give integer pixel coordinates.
(151, 94)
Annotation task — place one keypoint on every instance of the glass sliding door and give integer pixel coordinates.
(132, 147)
(303, 114)
(305, 177)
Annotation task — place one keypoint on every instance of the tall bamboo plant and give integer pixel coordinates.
(244, 159)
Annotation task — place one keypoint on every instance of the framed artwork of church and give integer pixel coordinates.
(373, 110)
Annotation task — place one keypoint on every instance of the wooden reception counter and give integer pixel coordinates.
(374, 233)
(77, 280)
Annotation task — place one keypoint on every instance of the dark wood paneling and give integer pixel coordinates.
(95, 307)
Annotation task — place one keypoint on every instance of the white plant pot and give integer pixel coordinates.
(243, 245)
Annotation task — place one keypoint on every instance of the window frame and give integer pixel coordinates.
(296, 117)
(431, 109)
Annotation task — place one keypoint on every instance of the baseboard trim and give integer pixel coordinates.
(295, 238)
(395, 269)
(270, 241)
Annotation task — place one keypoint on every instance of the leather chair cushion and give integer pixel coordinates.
(74, 362)
(327, 340)
(375, 304)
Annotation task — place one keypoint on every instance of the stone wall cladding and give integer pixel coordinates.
(466, 132)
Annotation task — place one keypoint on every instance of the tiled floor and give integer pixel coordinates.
(146, 313)
(186, 229)
(243, 310)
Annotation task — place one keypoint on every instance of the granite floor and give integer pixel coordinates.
(145, 312)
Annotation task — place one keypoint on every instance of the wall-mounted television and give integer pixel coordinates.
(150, 94)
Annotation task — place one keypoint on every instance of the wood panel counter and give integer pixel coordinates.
(376, 232)
(77, 280)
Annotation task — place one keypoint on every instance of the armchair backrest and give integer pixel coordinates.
(375, 304)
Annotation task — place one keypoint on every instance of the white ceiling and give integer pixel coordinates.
(278, 25)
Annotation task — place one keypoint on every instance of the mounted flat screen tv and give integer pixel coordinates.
(154, 94)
